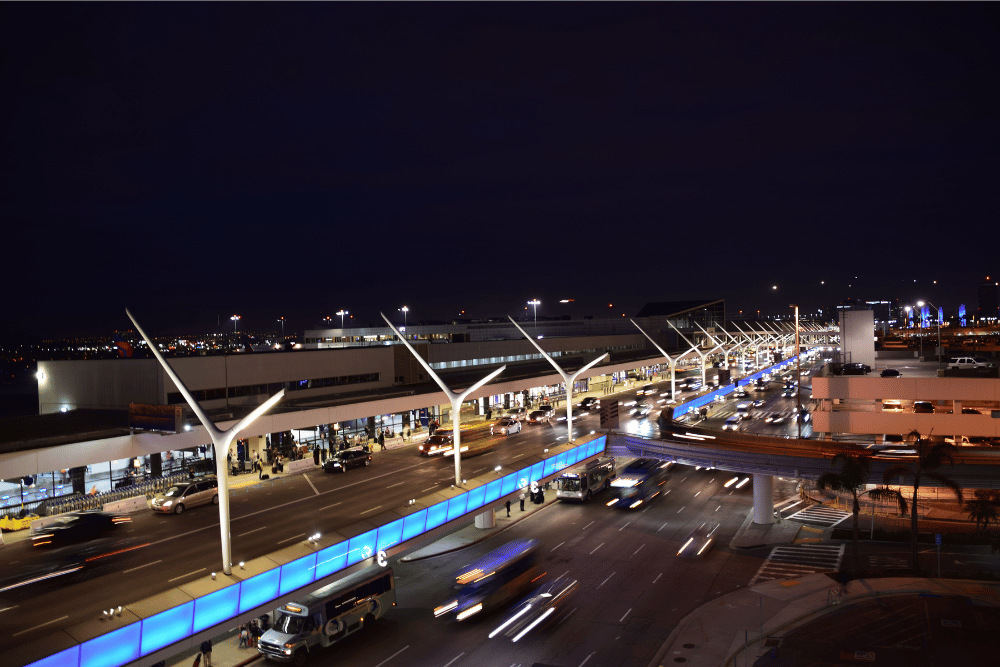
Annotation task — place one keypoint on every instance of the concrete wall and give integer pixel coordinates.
(857, 336)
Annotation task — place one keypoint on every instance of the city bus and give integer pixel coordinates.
(639, 482)
(327, 615)
(587, 480)
(494, 579)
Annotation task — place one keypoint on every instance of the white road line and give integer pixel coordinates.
(657, 577)
(624, 527)
(566, 617)
(291, 538)
(638, 550)
(520, 455)
(598, 547)
(587, 658)
(371, 510)
(429, 488)
(315, 490)
(588, 525)
(141, 566)
(697, 494)
(396, 484)
(662, 527)
(329, 506)
(681, 509)
(9, 608)
(561, 576)
(186, 575)
(251, 531)
(626, 614)
(606, 580)
(55, 620)
(718, 508)
(452, 661)
(392, 656)
(556, 547)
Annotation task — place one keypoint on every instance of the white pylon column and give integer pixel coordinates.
(221, 440)
(567, 378)
(671, 360)
(704, 377)
(455, 399)
(763, 499)
(486, 519)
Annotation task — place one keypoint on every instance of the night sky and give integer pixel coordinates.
(191, 161)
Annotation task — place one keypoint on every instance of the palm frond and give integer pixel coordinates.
(948, 482)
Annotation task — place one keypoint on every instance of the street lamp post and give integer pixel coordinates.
(404, 310)
(282, 320)
(342, 312)
(534, 303)
(940, 350)
(798, 373)
(235, 319)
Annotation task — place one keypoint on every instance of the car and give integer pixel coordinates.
(774, 418)
(547, 409)
(789, 392)
(350, 458)
(962, 363)
(590, 403)
(516, 413)
(889, 373)
(741, 393)
(185, 495)
(646, 390)
(925, 407)
(700, 540)
(505, 426)
(538, 416)
(437, 443)
(854, 369)
(891, 406)
(759, 403)
(77, 527)
(641, 411)
(732, 424)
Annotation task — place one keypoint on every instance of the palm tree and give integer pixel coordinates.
(852, 478)
(930, 457)
(985, 509)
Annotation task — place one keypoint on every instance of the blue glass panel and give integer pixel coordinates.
(492, 491)
(476, 498)
(113, 649)
(574, 455)
(456, 506)
(602, 444)
(537, 472)
(259, 590)
(509, 484)
(68, 658)
(362, 547)
(436, 514)
(330, 560)
(216, 607)
(550, 466)
(298, 573)
(523, 477)
(591, 448)
(561, 461)
(390, 535)
(167, 627)
(413, 525)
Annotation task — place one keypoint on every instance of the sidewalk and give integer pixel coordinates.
(226, 652)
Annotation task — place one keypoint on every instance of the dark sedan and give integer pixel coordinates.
(889, 373)
(349, 458)
(77, 527)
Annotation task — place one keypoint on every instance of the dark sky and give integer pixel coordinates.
(195, 160)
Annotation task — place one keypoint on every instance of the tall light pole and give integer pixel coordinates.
(235, 319)
(940, 350)
(282, 320)
(535, 303)
(404, 310)
(798, 373)
(221, 440)
(342, 312)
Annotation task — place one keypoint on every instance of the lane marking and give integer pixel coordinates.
(624, 527)
(450, 662)
(662, 527)
(251, 531)
(681, 509)
(396, 484)
(587, 658)
(657, 577)
(392, 656)
(638, 550)
(598, 547)
(697, 494)
(606, 580)
(561, 576)
(291, 538)
(371, 510)
(718, 508)
(141, 566)
(186, 575)
(329, 506)
(588, 525)
(626, 614)
(556, 547)
(429, 488)
(315, 490)
(566, 617)
(55, 620)
(8, 608)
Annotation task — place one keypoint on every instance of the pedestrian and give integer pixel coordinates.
(244, 637)
(407, 433)
(522, 502)
(206, 650)
(381, 441)
(508, 508)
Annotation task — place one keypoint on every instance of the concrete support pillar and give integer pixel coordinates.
(763, 499)
(486, 519)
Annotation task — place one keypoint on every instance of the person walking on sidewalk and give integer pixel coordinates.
(381, 441)
(206, 650)
(508, 508)
(522, 502)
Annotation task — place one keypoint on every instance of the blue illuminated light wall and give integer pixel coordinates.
(708, 398)
(135, 640)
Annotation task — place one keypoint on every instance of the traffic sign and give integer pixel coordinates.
(937, 539)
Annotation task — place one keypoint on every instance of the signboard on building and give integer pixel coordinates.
(155, 417)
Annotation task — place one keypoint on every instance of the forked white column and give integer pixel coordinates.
(456, 399)
(567, 378)
(704, 377)
(671, 360)
(220, 441)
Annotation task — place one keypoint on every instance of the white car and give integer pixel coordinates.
(505, 426)
(732, 424)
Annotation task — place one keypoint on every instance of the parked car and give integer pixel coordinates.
(889, 373)
(962, 363)
(77, 527)
(505, 426)
(891, 406)
(348, 458)
(185, 495)
(855, 369)
(538, 416)
(923, 406)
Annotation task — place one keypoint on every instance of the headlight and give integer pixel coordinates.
(168, 503)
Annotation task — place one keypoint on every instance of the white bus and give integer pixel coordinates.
(587, 480)
(327, 615)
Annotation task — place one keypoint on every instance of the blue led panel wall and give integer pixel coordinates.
(456, 506)
(509, 484)
(390, 535)
(362, 547)
(561, 461)
(298, 573)
(413, 525)
(216, 607)
(167, 627)
(476, 498)
(330, 560)
(536, 472)
(492, 491)
(436, 515)
(68, 658)
(113, 649)
(258, 590)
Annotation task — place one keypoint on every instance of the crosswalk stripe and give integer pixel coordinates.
(797, 560)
